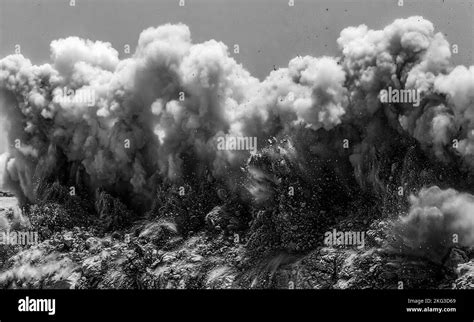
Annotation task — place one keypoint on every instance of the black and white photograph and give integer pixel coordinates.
(188, 147)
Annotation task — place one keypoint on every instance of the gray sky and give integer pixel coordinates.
(269, 32)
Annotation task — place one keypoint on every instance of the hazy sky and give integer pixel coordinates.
(269, 32)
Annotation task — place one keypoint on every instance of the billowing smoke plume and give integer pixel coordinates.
(437, 220)
(124, 125)
(153, 113)
(458, 85)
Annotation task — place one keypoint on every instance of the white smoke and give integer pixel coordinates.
(172, 97)
(159, 113)
(437, 220)
(458, 85)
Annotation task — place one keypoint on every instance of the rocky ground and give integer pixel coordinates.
(154, 254)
